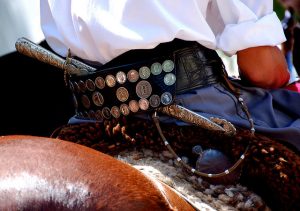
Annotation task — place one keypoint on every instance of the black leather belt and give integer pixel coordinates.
(113, 91)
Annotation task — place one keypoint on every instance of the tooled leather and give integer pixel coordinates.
(195, 69)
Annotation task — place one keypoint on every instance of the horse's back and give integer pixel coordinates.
(43, 173)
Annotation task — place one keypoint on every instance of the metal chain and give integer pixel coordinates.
(155, 118)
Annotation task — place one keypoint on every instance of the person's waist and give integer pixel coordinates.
(141, 80)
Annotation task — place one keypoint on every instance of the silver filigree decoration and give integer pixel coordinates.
(36, 51)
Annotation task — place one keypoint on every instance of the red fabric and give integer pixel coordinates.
(294, 87)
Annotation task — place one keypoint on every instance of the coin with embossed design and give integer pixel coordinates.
(144, 72)
(122, 94)
(133, 75)
(110, 80)
(169, 79)
(98, 115)
(85, 101)
(156, 68)
(121, 77)
(82, 86)
(124, 108)
(115, 112)
(106, 113)
(98, 98)
(154, 101)
(90, 85)
(166, 98)
(143, 104)
(133, 106)
(168, 65)
(143, 89)
(100, 82)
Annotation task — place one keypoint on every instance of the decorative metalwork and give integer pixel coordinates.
(74, 67)
(191, 117)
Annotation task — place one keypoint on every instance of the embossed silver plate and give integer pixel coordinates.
(133, 106)
(110, 80)
(98, 98)
(168, 65)
(122, 94)
(156, 68)
(133, 75)
(144, 72)
(143, 89)
(121, 77)
(100, 82)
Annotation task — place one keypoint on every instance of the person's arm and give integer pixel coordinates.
(263, 66)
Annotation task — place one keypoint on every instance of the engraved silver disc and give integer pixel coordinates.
(156, 68)
(82, 86)
(122, 94)
(133, 76)
(143, 89)
(90, 85)
(110, 80)
(143, 104)
(144, 72)
(124, 108)
(115, 112)
(154, 101)
(169, 79)
(98, 115)
(168, 65)
(98, 99)
(166, 98)
(85, 101)
(133, 106)
(106, 113)
(100, 82)
(121, 77)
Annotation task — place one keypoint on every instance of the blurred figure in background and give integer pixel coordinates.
(291, 26)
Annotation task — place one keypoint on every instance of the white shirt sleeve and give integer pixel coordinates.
(247, 23)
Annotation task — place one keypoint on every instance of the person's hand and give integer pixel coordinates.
(263, 66)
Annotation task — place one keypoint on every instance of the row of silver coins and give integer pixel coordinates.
(132, 76)
(133, 106)
(143, 91)
(154, 100)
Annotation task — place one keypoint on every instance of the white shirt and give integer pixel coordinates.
(100, 30)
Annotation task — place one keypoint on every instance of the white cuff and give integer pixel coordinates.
(266, 31)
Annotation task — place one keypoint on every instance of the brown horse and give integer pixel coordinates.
(39, 173)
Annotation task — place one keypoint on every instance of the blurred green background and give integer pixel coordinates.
(278, 9)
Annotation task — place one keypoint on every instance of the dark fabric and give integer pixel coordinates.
(34, 99)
